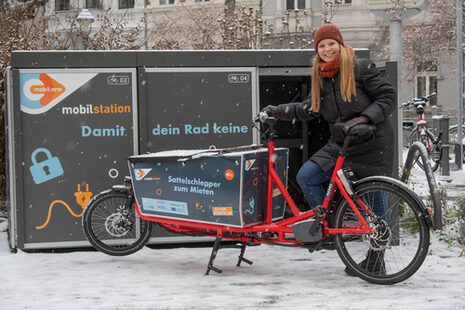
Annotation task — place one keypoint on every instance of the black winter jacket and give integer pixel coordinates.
(375, 98)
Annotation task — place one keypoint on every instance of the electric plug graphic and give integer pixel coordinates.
(83, 198)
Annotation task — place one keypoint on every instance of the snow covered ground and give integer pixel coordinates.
(280, 278)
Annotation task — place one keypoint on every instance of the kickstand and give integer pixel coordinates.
(217, 246)
(241, 256)
(215, 249)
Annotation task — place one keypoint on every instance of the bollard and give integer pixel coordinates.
(435, 125)
(458, 158)
(444, 131)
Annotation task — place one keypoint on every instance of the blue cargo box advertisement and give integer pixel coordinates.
(227, 189)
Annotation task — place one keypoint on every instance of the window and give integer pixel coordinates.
(125, 4)
(62, 5)
(202, 0)
(164, 2)
(295, 4)
(342, 1)
(426, 82)
(94, 4)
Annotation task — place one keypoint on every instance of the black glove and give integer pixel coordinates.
(362, 119)
(273, 110)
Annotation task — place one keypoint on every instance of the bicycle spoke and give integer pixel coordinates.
(109, 230)
(398, 244)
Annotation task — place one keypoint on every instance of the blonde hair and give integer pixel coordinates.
(347, 76)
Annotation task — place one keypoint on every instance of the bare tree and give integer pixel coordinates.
(422, 41)
(112, 35)
(228, 24)
(301, 35)
(229, 9)
(190, 27)
(245, 31)
(218, 27)
(329, 10)
(425, 37)
(25, 28)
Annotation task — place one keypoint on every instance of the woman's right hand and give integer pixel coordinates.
(273, 110)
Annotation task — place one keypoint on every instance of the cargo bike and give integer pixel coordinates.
(239, 194)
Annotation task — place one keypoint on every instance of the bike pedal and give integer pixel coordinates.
(312, 247)
(327, 246)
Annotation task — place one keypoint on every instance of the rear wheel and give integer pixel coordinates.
(400, 239)
(113, 227)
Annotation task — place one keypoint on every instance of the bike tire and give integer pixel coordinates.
(106, 232)
(403, 240)
(434, 154)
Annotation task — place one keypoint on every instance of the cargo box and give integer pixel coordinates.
(206, 186)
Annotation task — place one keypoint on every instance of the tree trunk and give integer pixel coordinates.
(229, 8)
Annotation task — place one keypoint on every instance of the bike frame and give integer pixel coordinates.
(281, 227)
(422, 131)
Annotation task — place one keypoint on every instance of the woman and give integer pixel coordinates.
(350, 91)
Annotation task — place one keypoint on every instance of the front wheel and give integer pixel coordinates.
(433, 148)
(400, 239)
(111, 225)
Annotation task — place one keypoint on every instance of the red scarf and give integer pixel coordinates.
(329, 69)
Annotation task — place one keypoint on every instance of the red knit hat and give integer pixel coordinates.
(327, 31)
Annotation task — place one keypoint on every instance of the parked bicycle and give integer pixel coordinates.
(422, 133)
(375, 221)
(433, 143)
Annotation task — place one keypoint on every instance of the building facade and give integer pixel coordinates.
(291, 18)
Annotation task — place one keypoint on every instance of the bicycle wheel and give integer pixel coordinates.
(108, 230)
(434, 149)
(454, 142)
(400, 241)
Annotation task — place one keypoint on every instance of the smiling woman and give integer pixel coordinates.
(346, 92)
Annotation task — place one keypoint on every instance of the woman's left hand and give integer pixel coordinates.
(362, 119)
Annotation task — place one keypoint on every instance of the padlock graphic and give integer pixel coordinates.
(47, 169)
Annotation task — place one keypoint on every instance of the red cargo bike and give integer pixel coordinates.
(372, 215)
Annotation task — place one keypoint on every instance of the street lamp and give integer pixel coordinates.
(85, 20)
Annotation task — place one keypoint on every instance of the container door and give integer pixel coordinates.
(73, 131)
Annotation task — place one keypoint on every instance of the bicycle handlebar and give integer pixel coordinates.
(358, 133)
(360, 130)
(264, 117)
(418, 101)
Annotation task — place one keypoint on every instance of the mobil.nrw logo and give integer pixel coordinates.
(42, 91)
(141, 173)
